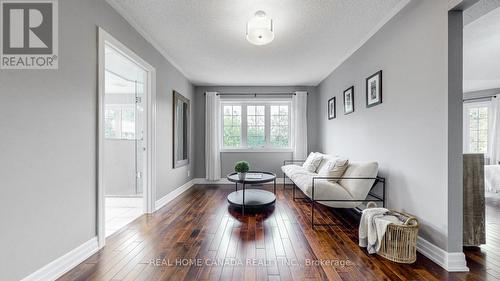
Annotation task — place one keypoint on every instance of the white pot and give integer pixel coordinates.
(242, 176)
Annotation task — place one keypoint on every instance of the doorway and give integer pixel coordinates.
(126, 137)
(481, 126)
(123, 139)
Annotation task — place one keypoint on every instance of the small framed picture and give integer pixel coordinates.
(331, 109)
(374, 89)
(349, 100)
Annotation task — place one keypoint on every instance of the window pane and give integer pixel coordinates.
(260, 120)
(283, 110)
(274, 120)
(478, 129)
(251, 120)
(251, 110)
(256, 136)
(259, 110)
(237, 110)
(483, 112)
(111, 124)
(237, 121)
(232, 126)
(279, 126)
(275, 110)
(256, 133)
(128, 123)
(483, 124)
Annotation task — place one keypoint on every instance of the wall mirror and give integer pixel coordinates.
(181, 112)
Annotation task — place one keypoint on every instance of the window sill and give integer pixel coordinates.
(256, 150)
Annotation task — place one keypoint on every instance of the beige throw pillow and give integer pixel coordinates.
(312, 162)
(334, 168)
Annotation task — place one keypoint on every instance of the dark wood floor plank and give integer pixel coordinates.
(220, 243)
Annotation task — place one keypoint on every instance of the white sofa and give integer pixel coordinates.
(356, 183)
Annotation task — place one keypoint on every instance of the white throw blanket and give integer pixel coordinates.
(372, 227)
(492, 178)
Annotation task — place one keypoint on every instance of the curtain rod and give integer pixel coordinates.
(481, 98)
(255, 94)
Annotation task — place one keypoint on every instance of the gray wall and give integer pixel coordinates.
(48, 144)
(455, 131)
(407, 133)
(257, 160)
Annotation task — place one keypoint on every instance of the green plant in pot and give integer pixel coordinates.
(242, 167)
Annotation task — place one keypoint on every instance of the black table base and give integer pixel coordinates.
(254, 198)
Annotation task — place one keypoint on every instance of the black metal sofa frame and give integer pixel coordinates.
(313, 201)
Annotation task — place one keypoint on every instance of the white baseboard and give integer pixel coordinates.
(172, 195)
(64, 263)
(452, 262)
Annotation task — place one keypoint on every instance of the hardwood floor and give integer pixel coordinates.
(209, 241)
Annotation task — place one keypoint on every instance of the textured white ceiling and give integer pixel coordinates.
(482, 53)
(206, 39)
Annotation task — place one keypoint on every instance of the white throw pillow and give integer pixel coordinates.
(312, 162)
(334, 168)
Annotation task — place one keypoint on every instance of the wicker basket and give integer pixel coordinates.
(399, 243)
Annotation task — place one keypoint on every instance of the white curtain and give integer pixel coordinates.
(299, 105)
(212, 136)
(494, 136)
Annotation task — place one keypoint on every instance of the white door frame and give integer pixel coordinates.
(149, 190)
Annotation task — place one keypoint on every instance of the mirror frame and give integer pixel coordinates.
(177, 96)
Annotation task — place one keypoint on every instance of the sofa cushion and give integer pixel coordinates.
(312, 162)
(292, 169)
(333, 168)
(326, 158)
(359, 188)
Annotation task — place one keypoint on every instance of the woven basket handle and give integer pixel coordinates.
(410, 220)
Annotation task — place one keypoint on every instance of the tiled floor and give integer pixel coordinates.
(121, 211)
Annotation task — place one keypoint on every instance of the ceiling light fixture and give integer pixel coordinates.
(260, 29)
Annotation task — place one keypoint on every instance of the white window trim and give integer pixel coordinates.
(267, 103)
(466, 124)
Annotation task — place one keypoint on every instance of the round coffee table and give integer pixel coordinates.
(252, 198)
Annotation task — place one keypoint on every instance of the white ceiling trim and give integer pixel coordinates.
(147, 36)
(370, 34)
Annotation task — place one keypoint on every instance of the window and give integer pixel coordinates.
(232, 126)
(119, 122)
(256, 125)
(476, 127)
(280, 128)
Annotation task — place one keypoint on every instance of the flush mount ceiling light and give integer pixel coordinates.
(260, 30)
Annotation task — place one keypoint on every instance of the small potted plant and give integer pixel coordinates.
(242, 167)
